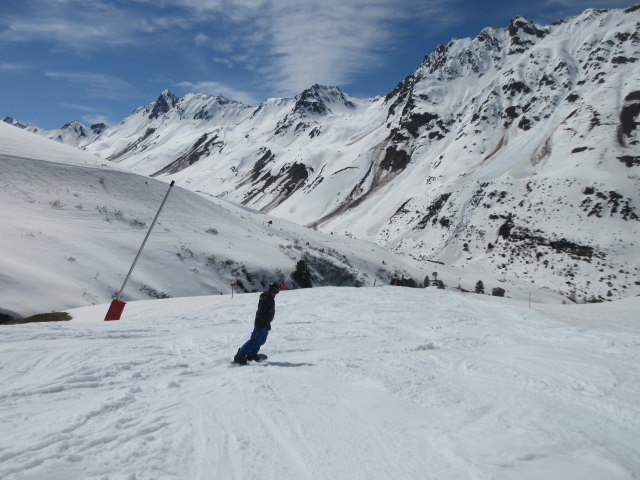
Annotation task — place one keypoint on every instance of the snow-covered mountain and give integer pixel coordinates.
(515, 152)
(72, 225)
(72, 133)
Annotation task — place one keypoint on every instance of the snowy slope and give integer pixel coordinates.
(515, 152)
(71, 229)
(371, 383)
(17, 143)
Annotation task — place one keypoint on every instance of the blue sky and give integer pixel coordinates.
(97, 60)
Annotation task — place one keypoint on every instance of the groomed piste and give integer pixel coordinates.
(361, 383)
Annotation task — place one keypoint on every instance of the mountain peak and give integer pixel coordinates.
(166, 93)
(72, 123)
(14, 122)
(165, 102)
(520, 25)
(316, 99)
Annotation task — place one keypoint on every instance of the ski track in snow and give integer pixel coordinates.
(360, 384)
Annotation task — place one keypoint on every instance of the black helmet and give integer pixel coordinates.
(274, 288)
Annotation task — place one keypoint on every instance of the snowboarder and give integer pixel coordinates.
(262, 325)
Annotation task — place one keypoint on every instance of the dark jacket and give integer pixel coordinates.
(266, 310)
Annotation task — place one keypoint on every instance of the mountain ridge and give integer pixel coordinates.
(482, 157)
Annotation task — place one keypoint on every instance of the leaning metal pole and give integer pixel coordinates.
(117, 306)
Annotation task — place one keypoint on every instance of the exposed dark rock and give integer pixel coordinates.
(433, 211)
(13, 121)
(400, 93)
(622, 36)
(417, 120)
(309, 104)
(571, 114)
(133, 145)
(519, 30)
(630, 161)
(436, 59)
(498, 292)
(546, 80)
(165, 102)
(580, 149)
(260, 165)
(515, 87)
(397, 136)
(505, 229)
(622, 60)
(528, 240)
(290, 178)
(628, 114)
(202, 148)
(524, 124)
(98, 128)
(148, 133)
(295, 175)
(302, 126)
(395, 160)
(522, 25)
(511, 112)
(402, 210)
(314, 100)
(573, 249)
(75, 127)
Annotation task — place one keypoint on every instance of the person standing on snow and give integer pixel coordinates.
(262, 325)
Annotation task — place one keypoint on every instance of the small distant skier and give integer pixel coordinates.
(262, 325)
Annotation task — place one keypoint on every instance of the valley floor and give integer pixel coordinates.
(360, 384)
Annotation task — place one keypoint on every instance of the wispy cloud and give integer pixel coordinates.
(97, 85)
(201, 39)
(284, 45)
(82, 108)
(12, 67)
(92, 119)
(324, 42)
(291, 44)
(83, 26)
(91, 114)
(218, 88)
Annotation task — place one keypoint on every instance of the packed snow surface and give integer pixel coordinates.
(370, 383)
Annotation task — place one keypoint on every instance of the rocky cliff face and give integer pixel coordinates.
(515, 151)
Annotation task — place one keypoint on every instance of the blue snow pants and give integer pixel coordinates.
(252, 347)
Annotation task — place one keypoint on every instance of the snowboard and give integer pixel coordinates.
(261, 357)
